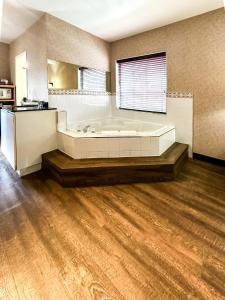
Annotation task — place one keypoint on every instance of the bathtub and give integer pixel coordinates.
(113, 137)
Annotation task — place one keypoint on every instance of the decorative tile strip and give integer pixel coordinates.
(179, 94)
(174, 94)
(76, 92)
(96, 93)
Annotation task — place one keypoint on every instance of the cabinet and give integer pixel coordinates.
(8, 137)
(26, 135)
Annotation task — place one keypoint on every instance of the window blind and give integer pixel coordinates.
(92, 79)
(142, 83)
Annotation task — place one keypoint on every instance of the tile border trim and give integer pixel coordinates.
(170, 94)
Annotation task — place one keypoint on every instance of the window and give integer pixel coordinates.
(92, 80)
(142, 83)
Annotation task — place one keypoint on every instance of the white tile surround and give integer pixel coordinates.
(82, 107)
(109, 147)
(179, 114)
(87, 107)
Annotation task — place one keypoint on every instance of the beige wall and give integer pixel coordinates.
(70, 44)
(196, 62)
(33, 41)
(63, 75)
(52, 38)
(4, 61)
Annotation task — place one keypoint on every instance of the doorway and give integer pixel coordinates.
(21, 77)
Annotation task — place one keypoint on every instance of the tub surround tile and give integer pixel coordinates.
(97, 145)
(60, 141)
(114, 144)
(154, 146)
(114, 154)
(104, 147)
(146, 153)
(179, 114)
(135, 153)
(101, 154)
(145, 143)
(84, 107)
(62, 120)
(130, 143)
(125, 154)
(166, 140)
(83, 155)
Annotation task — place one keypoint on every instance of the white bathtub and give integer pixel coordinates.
(114, 137)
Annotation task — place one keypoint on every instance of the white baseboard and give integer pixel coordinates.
(29, 170)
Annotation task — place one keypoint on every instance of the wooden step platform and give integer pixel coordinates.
(107, 171)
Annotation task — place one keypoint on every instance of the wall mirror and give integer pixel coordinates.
(62, 75)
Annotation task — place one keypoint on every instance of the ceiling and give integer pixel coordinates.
(108, 19)
(15, 18)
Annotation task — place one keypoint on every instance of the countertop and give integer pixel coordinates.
(26, 108)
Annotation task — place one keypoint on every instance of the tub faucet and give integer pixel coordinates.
(85, 129)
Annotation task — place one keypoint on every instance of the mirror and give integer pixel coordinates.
(63, 75)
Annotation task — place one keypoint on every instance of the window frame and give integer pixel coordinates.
(136, 58)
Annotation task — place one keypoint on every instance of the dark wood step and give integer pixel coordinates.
(101, 171)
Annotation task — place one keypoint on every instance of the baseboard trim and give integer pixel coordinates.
(212, 160)
(29, 170)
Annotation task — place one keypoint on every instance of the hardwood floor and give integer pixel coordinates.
(137, 241)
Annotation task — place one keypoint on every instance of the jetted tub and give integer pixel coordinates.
(114, 137)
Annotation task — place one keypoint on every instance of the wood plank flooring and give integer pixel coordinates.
(137, 241)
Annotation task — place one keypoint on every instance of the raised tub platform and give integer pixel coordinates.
(71, 172)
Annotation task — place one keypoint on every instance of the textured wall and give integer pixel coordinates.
(70, 44)
(196, 62)
(4, 61)
(33, 41)
(52, 38)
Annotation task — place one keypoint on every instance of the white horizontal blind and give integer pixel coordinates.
(142, 83)
(92, 79)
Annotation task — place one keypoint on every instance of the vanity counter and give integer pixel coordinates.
(16, 109)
